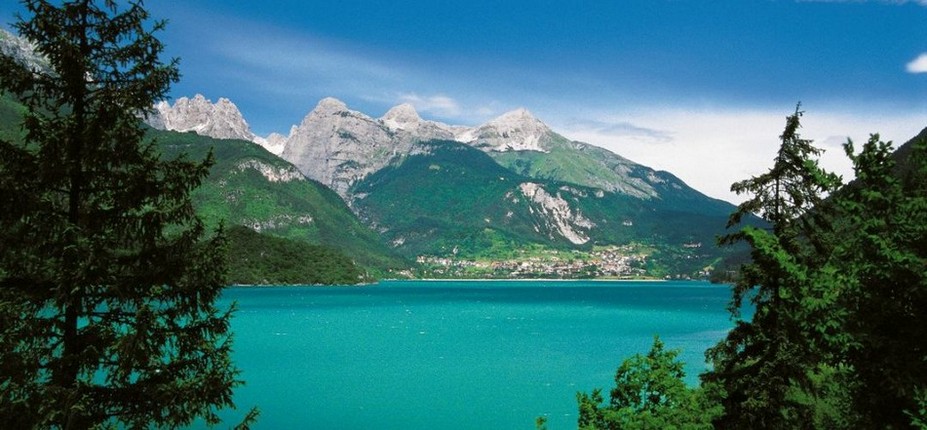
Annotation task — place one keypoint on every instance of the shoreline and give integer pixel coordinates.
(366, 284)
(526, 280)
(463, 280)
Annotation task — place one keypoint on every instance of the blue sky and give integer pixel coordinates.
(698, 88)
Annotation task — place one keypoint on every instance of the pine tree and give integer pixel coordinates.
(108, 280)
(838, 285)
(763, 362)
(883, 256)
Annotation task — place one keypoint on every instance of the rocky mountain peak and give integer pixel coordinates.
(410, 127)
(519, 118)
(23, 51)
(338, 146)
(518, 130)
(401, 117)
(519, 114)
(274, 143)
(330, 105)
(330, 112)
(221, 120)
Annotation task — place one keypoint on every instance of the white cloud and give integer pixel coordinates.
(621, 128)
(918, 65)
(439, 105)
(485, 111)
(274, 62)
(711, 149)
(292, 70)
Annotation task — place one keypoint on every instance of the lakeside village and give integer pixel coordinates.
(613, 262)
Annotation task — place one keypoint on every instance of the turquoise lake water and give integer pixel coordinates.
(455, 355)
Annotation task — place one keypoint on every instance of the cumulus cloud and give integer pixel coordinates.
(919, 64)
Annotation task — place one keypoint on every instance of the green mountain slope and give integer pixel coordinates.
(590, 166)
(10, 115)
(450, 199)
(251, 187)
(903, 153)
(443, 200)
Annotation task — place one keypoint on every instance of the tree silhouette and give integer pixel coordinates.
(108, 280)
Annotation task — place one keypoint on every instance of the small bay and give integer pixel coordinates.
(455, 355)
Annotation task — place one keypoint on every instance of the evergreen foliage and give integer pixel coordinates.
(649, 393)
(108, 280)
(839, 290)
(882, 258)
(763, 361)
(256, 258)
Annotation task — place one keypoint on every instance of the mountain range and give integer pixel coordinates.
(434, 189)
(339, 147)
(358, 196)
(509, 193)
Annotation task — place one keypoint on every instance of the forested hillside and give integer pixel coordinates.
(251, 187)
(838, 338)
(263, 259)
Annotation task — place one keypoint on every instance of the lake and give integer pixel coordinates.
(455, 355)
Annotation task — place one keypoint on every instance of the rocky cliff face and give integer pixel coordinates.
(338, 146)
(220, 120)
(557, 214)
(22, 51)
(405, 122)
(517, 130)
